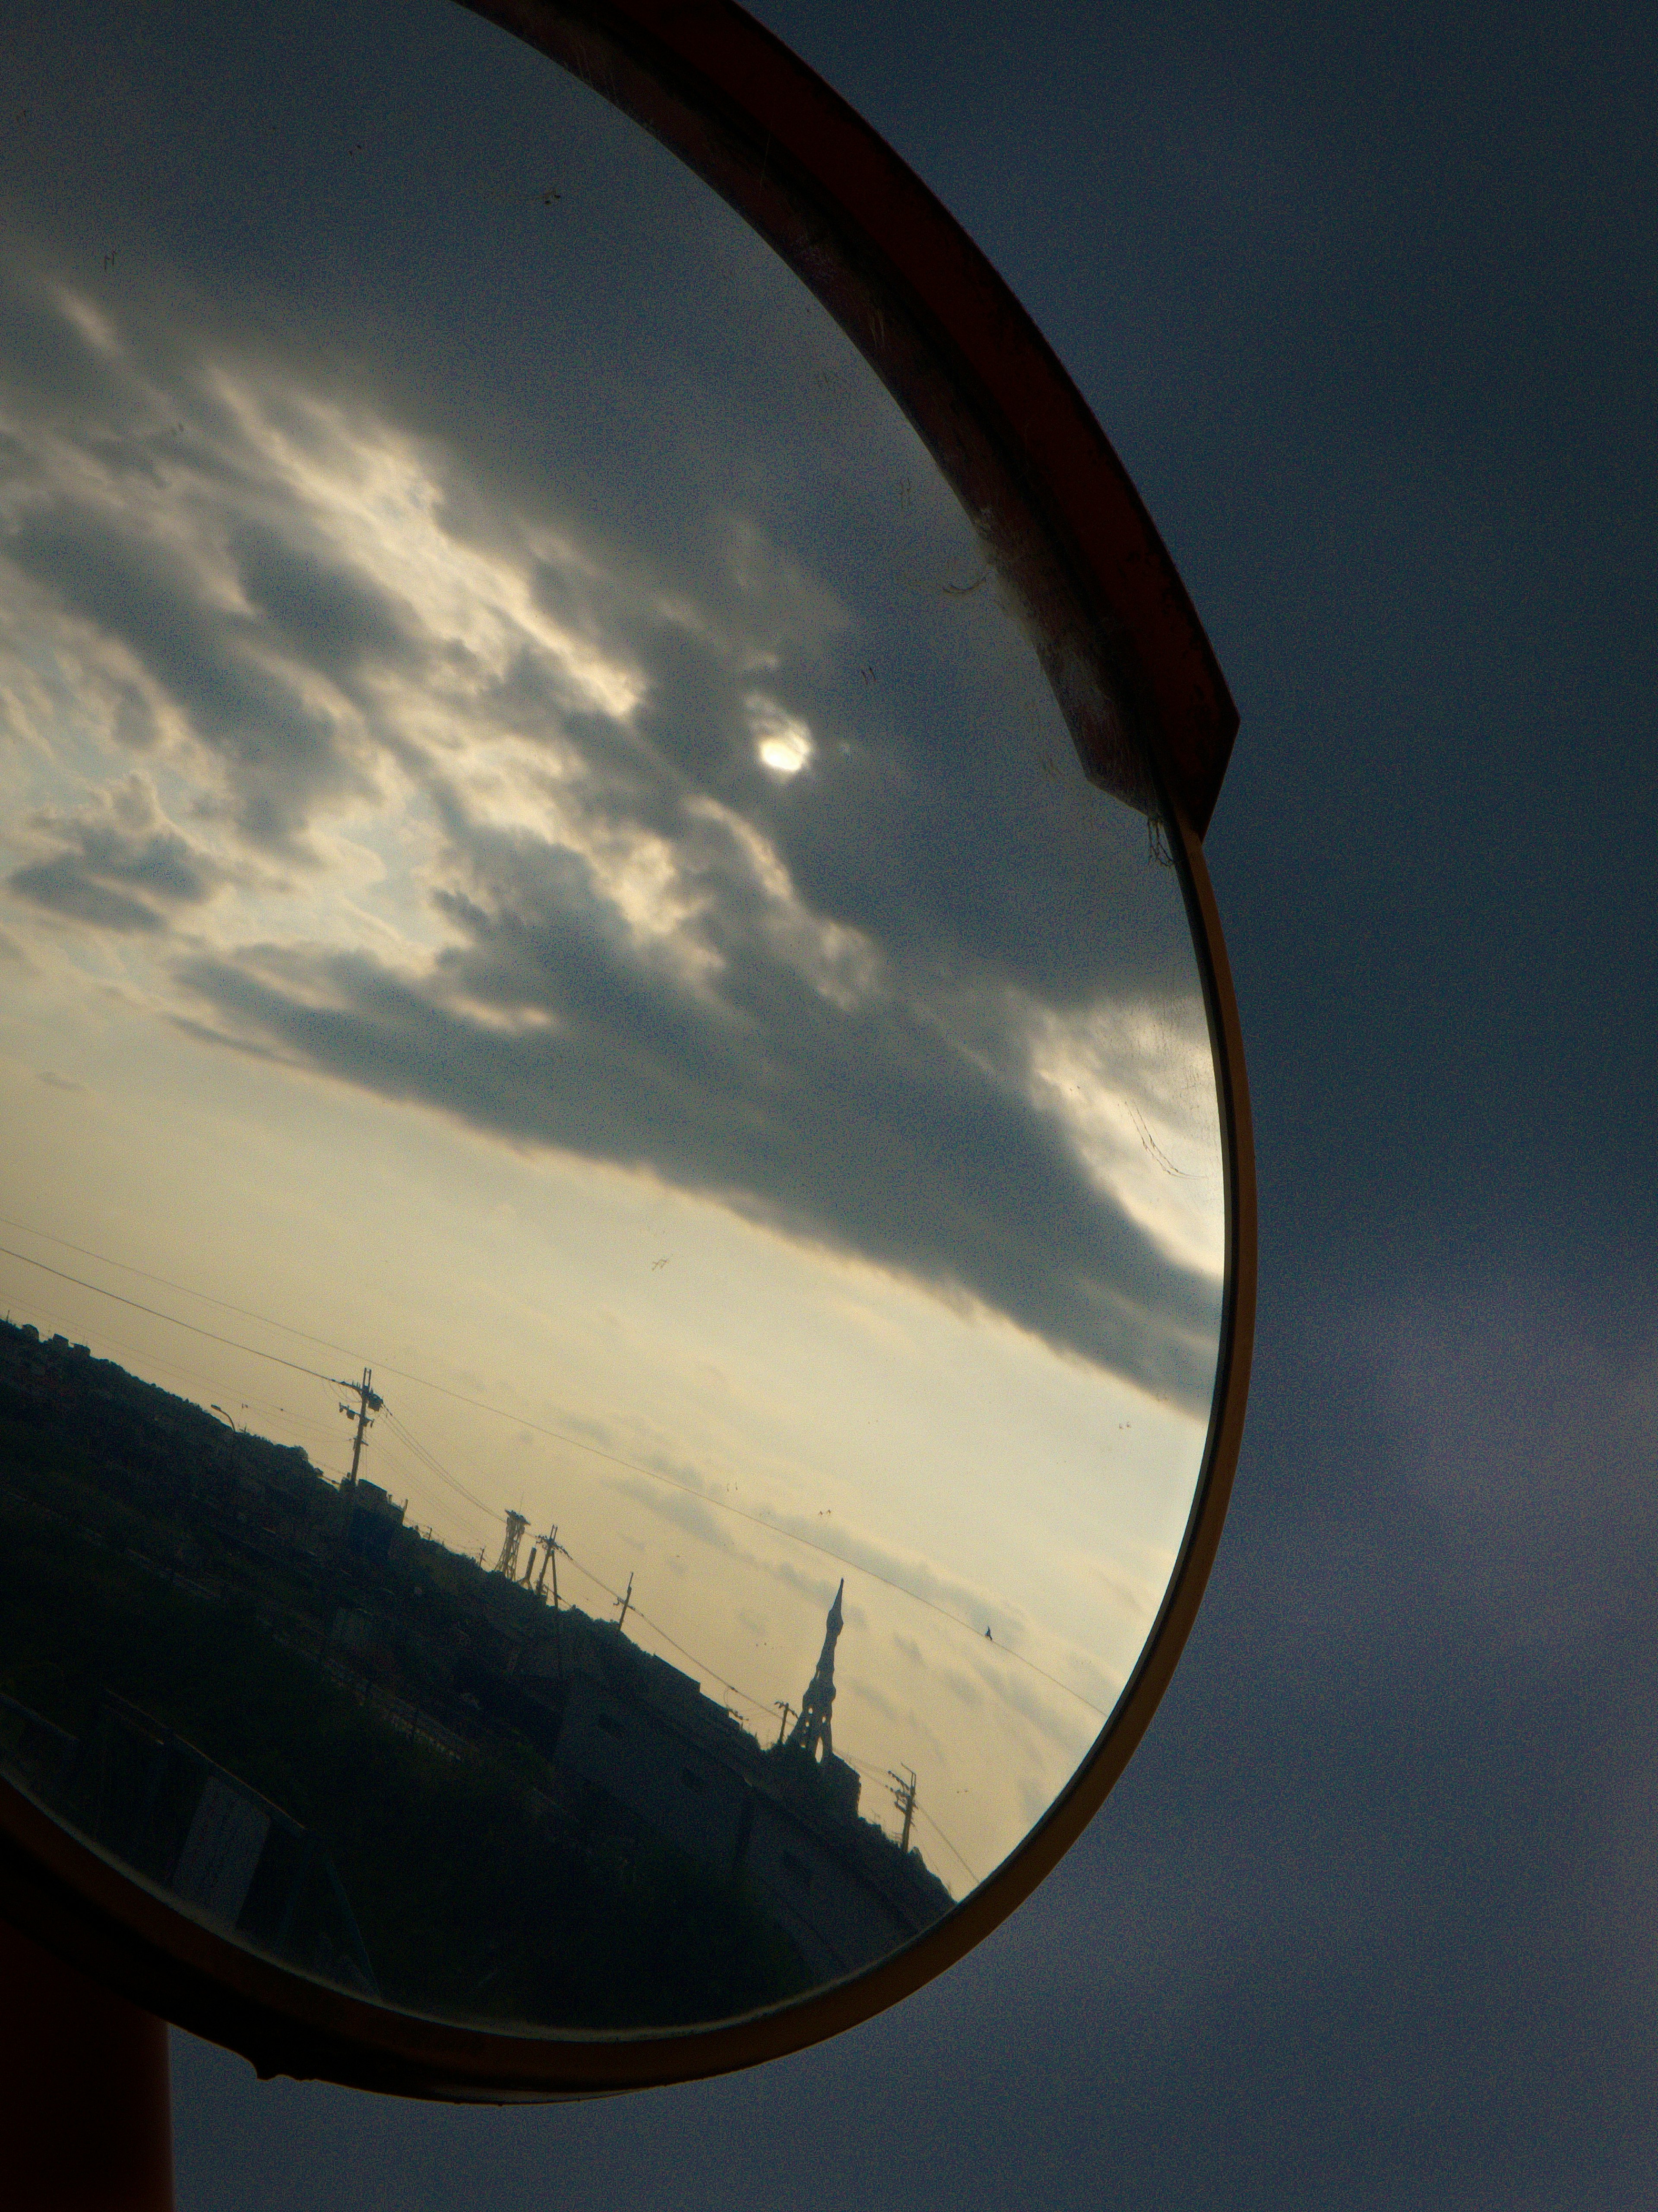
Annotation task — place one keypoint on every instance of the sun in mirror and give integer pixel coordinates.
(614, 1224)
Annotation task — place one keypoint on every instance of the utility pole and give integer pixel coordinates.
(903, 1797)
(368, 1401)
(787, 1712)
(625, 1601)
(550, 1548)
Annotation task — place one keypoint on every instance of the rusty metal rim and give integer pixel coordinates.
(1018, 444)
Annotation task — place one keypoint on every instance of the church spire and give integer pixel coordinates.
(811, 1732)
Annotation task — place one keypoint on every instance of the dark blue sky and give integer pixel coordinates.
(1366, 302)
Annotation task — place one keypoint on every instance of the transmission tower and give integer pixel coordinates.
(508, 1563)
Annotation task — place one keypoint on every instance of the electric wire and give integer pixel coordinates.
(748, 1697)
(707, 1672)
(196, 1376)
(932, 1822)
(558, 1435)
(155, 1314)
(429, 1459)
(411, 1473)
(166, 1283)
(882, 1775)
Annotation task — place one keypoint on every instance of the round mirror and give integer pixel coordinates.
(625, 1239)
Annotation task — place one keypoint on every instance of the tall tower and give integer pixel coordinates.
(508, 1563)
(811, 1732)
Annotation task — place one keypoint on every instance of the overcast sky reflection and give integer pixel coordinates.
(536, 853)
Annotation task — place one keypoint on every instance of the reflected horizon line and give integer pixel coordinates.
(775, 1528)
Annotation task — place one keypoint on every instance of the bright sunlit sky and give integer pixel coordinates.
(537, 857)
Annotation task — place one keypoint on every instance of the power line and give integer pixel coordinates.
(98, 1290)
(933, 1824)
(431, 1460)
(557, 1436)
(880, 1775)
(42, 1306)
(749, 1699)
(167, 1284)
(758, 1521)
(704, 1671)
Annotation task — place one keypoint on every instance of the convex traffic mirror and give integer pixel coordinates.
(628, 1229)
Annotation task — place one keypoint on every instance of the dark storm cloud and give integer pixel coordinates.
(117, 865)
(66, 887)
(326, 615)
(1390, 1836)
(281, 758)
(673, 437)
(51, 363)
(827, 1024)
(867, 1127)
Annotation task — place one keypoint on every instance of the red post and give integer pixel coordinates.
(86, 2116)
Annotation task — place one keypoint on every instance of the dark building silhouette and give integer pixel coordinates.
(635, 1746)
(113, 1490)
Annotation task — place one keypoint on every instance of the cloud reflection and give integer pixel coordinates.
(444, 670)
(626, 963)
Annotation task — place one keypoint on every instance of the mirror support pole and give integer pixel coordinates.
(86, 2118)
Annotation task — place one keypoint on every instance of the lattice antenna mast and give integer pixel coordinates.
(508, 1563)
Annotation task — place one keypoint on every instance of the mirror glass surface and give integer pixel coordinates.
(613, 1210)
